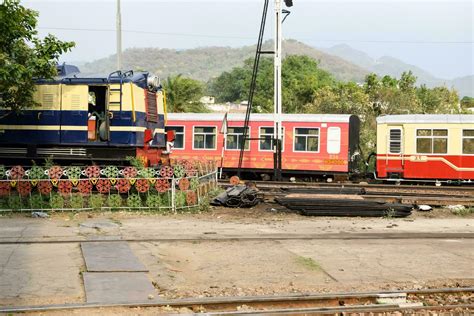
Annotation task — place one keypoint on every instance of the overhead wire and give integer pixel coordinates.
(249, 37)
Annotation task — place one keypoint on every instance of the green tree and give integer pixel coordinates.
(467, 102)
(301, 78)
(24, 56)
(184, 94)
(438, 100)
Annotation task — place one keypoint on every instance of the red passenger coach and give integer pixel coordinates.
(313, 144)
(425, 147)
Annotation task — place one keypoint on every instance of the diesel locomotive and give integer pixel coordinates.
(88, 117)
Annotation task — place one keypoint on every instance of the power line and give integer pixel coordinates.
(144, 32)
(249, 37)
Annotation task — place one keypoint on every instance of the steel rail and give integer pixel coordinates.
(213, 302)
(373, 308)
(279, 184)
(247, 238)
(405, 199)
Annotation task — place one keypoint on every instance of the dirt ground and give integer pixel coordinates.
(211, 263)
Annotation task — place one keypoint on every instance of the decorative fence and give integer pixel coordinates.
(73, 188)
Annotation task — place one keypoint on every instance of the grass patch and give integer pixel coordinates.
(308, 263)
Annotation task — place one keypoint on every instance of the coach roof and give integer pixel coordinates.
(426, 118)
(255, 117)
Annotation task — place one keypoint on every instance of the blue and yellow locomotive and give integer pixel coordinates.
(95, 118)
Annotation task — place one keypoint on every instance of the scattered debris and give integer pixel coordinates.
(456, 208)
(424, 208)
(39, 215)
(392, 298)
(342, 205)
(239, 196)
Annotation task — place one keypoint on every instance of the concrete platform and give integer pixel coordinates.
(118, 287)
(110, 257)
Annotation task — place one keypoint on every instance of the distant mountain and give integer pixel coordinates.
(208, 62)
(342, 61)
(394, 67)
(464, 85)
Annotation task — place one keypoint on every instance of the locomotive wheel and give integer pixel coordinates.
(4, 188)
(234, 180)
(166, 172)
(123, 185)
(23, 188)
(84, 187)
(64, 187)
(142, 185)
(191, 198)
(130, 172)
(183, 184)
(55, 172)
(17, 172)
(92, 172)
(103, 186)
(45, 187)
(162, 185)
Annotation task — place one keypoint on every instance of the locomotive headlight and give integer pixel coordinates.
(153, 82)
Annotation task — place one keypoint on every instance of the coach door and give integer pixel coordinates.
(394, 159)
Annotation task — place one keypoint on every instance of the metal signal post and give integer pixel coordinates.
(277, 128)
(119, 36)
(277, 108)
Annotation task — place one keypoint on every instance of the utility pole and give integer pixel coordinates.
(119, 36)
(277, 108)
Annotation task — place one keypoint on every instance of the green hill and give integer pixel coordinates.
(208, 62)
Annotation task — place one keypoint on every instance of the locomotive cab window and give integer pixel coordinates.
(432, 141)
(179, 136)
(204, 137)
(97, 125)
(234, 138)
(266, 139)
(306, 139)
(468, 141)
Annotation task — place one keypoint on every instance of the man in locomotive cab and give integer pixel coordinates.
(170, 137)
(91, 117)
(96, 114)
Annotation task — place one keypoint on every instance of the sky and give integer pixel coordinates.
(435, 35)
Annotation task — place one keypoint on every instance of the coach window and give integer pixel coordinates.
(432, 141)
(266, 138)
(395, 141)
(468, 141)
(179, 136)
(306, 139)
(204, 137)
(234, 138)
(334, 140)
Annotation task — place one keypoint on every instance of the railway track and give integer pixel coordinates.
(242, 238)
(407, 194)
(445, 299)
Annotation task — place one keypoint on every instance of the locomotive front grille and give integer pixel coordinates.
(62, 152)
